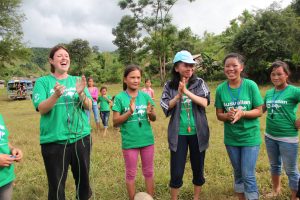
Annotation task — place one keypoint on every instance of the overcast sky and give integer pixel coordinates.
(49, 22)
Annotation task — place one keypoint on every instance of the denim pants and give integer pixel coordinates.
(243, 161)
(6, 191)
(105, 117)
(178, 160)
(95, 111)
(287, 154)
(57, 158)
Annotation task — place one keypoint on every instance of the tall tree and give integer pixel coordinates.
(11, 34)
(80, 53)
(127, 39)
(267, 38)
(154, 17)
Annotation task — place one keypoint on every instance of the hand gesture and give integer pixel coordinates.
(150, 108)
(181, 86)
(59, 89)
(80, 84)
(132, 105)
(238, 115)
(297, 123)
(17, 153)
(6, 160)
(230, 114)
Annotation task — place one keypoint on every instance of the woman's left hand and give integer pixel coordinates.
(182, 85)
(238, 115)
(297, 123)
(150, 112)
(150, 108)
(80, 84)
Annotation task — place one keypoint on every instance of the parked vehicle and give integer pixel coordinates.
(19, 89)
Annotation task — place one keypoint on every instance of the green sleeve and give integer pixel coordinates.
(218, 101)
(297, 95)
(39, 93)
(257, 99)
(150, 99)
(87, 93)
(117, 106)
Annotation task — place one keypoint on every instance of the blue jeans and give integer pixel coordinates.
(286, 153)
(243, 161)
(105, 117)
(95, 111)
(6, 191)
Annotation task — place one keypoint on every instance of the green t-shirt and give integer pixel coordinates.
(186, 117)
(136, 131)
(284, 105)
(245, 132)
(67, 119)
(104, 103)
(7, 174)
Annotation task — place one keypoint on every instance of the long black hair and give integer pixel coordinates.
(174, 83)
(130, 68)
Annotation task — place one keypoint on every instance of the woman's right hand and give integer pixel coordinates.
(59, 89)
(6, 160)
(230, 114)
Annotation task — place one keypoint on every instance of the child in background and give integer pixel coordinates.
(8, 154)
(147, 89)
(104, 102)
(94, 93)
(132, 110)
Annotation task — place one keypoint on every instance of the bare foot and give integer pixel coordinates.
(272, 195)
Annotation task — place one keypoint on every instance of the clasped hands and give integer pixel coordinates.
(234, 115)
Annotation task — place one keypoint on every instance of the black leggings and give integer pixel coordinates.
(78, 156)
(178, 160)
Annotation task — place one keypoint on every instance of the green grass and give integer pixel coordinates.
(107, 166)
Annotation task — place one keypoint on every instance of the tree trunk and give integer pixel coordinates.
(161, 71)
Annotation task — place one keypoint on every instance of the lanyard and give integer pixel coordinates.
(137, 105)
(274, 99)
(187, 106)
(233, 98)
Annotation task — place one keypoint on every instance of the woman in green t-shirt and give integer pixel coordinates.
(64, 127)
(8, 155)
(282, 126)
(239, 104)
(132, 110)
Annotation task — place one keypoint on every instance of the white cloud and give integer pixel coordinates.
(50, 22)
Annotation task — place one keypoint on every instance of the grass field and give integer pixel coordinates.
(107, 166)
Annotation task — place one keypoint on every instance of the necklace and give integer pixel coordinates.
(138, 110)
(233, 98)
(187, 106)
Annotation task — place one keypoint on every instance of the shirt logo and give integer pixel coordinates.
(1, 135)
(36, 97)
